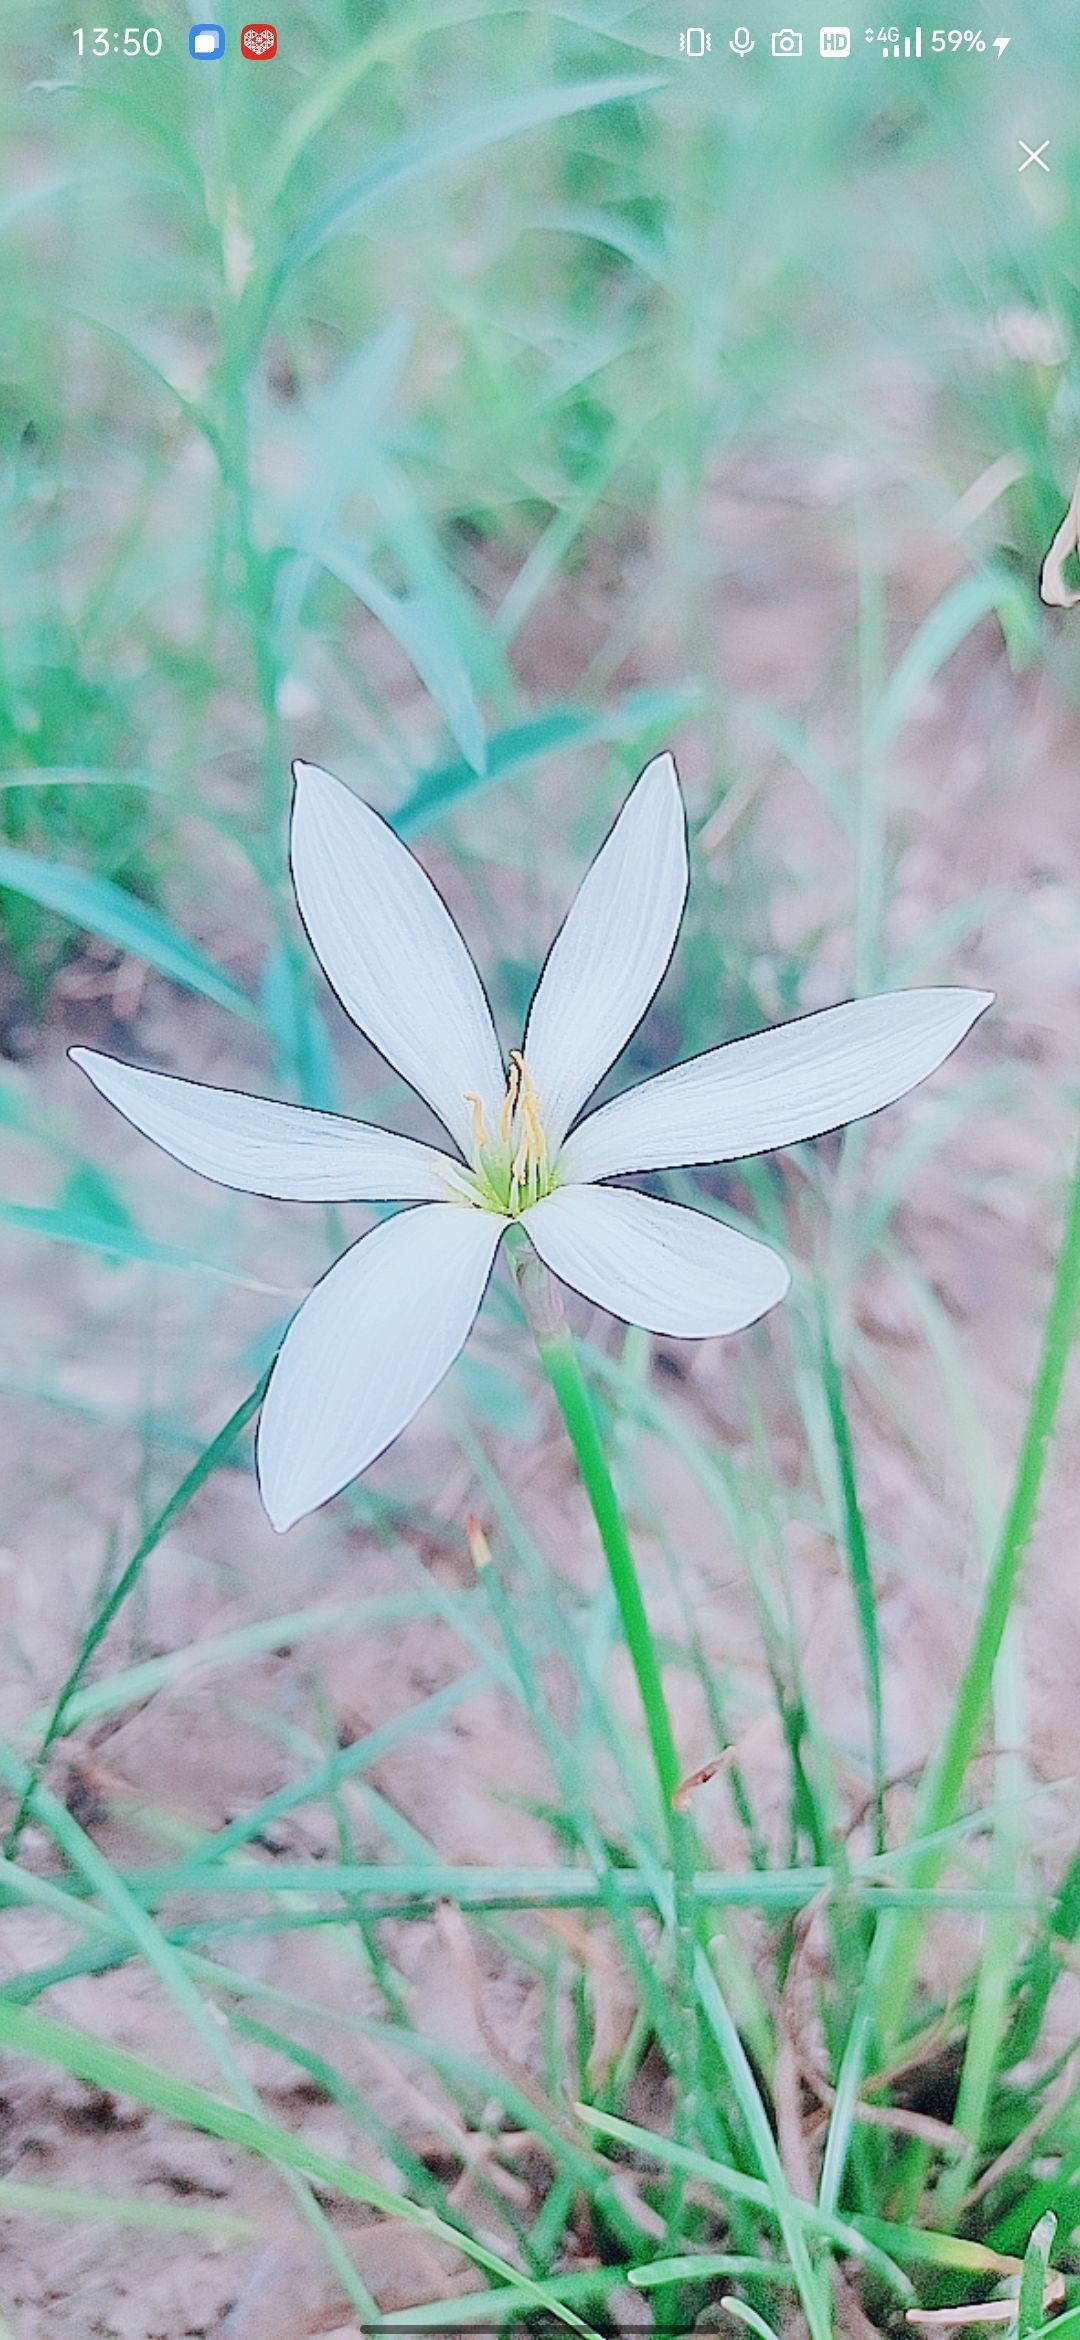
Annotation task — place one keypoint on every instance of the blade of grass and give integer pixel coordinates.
(79, 2209)
(637, 718)
(105, 909)
(201, 1470)
(418, 625)
(805, 2216)
(290, 1629)
(858, 1558)
(939, 1799)
(1030, 2306)
(470, 133)
(115, 2069)
(86, 1232)
(98, 1873)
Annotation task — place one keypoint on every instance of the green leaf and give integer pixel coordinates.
(949, 623)
(1031, 2308)
(337, 434)
(417, 623)
(80, 2209)
(113, 2068)
(465, 134)
(105, 909)
(83, 776)
(94, 1231)
(642, 716)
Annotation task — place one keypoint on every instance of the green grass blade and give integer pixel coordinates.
(470, 133)
(642, 716)
(1030, 2307)
(858, 1559)
(418, 625)
(189, 1486)
(940, 1797)
(113, 2068)
(948, 624)
(82, 2209)
(728, 2180)
(105, 909)
(113, 1240)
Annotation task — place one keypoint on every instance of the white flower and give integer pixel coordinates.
(379, 1331)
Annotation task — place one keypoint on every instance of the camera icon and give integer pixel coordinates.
(787, 43)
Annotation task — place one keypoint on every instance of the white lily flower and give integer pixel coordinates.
(384, 1325)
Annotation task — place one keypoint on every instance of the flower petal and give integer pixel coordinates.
(368, 1346)
(654, 1263)
(776, 1087)
(609, 957)
(265, 1148)
(392, 951)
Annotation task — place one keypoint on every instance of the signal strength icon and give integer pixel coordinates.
(910, 46)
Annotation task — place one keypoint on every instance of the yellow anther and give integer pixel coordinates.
(480, 1137)
(529, 1158)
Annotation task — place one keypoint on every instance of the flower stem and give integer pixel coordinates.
(543, 1308)
(559, 1358)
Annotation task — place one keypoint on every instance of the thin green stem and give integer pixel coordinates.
(858, 1556)
(560, 1362)
(559, 1357)
(126, 1582)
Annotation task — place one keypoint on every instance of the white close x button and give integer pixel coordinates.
(1033, 154)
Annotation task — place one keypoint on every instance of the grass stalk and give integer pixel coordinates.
(940, 1799)
(201, 1470)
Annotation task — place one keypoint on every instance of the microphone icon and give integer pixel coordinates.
(742, 41)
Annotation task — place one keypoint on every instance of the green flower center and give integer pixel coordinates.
(511, 1169)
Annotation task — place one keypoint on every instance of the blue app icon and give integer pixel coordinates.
(207, 40)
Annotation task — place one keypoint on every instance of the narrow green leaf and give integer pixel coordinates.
(137, 1683)
(948, 624)
(1063, 2327)
(790, 2209)
(465, 134)
(105, 909)
(201, 1470)
(83, 776)
(857, 1551)
(693, 2269)
(114, 2068)
(748, 2316)
(642, 716)
(417, 623)
(940, 1793)
(1031, 2308)
(89, 1232)
(82, 2209)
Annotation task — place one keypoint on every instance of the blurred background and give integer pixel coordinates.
(474, 399)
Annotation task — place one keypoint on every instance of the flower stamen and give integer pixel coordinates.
(480, 1137)
(511, 1171)
(527, 1169)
